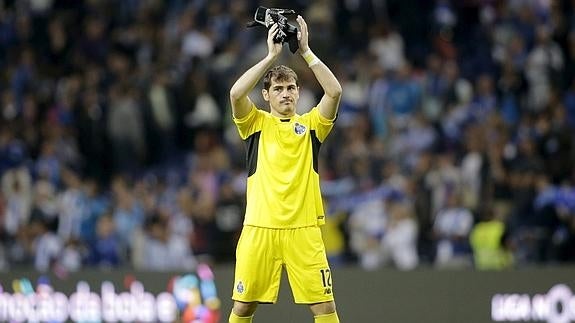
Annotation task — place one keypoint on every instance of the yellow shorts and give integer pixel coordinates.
(262, 252)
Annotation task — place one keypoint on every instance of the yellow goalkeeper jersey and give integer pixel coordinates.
(283, 188)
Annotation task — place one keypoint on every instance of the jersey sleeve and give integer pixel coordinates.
(321, 124)
(250, 123)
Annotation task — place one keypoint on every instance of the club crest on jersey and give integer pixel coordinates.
(240, 287)
(299, 128)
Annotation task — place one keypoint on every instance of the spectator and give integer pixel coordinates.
(161, 118)
(17, 191)
(451, 231)
(128, 213)
(165, 252)
(126, 129)
(399, 243)
(367, 225)
(403, 97)
(96, 205)
(71, 205)
(490, 244)
(72, 256)
(228, 218)
(386, 45)
(543, 67)
(46, 246)
(105, 250)
(45, 206)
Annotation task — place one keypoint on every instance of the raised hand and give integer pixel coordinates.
(274, 48)
(302, 35)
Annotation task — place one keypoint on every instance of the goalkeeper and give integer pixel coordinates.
(284, 206)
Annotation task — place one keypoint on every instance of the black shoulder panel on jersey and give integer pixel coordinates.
(252, 143)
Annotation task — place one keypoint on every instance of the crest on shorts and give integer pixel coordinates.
(240, 287)
(299, 128)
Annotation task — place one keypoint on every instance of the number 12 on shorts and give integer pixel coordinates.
(325, 277)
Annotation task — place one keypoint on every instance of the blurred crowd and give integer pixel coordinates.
(453, 146)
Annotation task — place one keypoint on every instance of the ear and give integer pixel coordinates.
(265, 94)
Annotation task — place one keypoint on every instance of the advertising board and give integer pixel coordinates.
(421, 296)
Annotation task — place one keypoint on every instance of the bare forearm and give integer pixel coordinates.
(241, 104)
(243, 86)
(327, 80)
(329, 103)
(332, 89)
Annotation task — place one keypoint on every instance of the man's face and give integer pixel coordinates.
(283, 97)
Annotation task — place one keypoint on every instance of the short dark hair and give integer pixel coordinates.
(279, 73)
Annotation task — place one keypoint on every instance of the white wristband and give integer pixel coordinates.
(310, 58)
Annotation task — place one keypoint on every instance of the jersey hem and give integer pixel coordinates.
(252, 301)
(282, 228)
